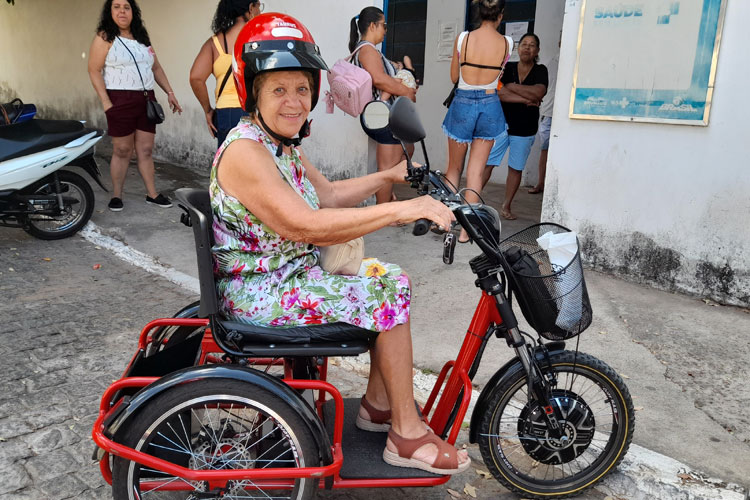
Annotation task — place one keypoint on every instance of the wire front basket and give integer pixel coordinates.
(553, 298)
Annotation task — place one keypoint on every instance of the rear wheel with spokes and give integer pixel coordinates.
(216, 424)
(595, 412)
(52, 221)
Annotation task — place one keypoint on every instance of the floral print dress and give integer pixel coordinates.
(265, 279)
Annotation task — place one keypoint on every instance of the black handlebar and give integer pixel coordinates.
(421, 227)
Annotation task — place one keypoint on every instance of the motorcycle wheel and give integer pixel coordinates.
(74, 215)
(212, 425)
(594, 408)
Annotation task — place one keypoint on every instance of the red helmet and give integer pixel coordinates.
(274, 42)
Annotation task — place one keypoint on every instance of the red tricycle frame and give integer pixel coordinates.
(456, 372)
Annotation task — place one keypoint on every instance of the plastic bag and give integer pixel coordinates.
(562, 249)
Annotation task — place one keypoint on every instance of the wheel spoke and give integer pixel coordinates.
(215, 433)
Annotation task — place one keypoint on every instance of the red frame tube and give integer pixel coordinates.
(455, 371)
(485, 314)
(113, 448)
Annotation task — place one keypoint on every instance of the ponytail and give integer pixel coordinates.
(359, 24)
(353, 34)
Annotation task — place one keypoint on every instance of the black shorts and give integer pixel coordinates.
(128, 113)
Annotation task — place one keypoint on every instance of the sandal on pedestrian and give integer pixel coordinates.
(446, 461)
(507, 214)
(536, 190)
(379, 421)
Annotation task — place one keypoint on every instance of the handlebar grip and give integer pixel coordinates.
(421, 227)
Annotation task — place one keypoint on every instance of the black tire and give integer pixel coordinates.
(221, 441)
(592, 404)
(75, 215)
(165, 337)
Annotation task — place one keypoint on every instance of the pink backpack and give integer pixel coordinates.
(351, 86)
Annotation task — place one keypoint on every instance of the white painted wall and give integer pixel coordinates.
(437, 80)
(663, 204)
(44, 54)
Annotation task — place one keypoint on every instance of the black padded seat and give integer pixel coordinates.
(33, 136)
(335, 339)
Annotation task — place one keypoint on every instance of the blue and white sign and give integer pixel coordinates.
(647, 60)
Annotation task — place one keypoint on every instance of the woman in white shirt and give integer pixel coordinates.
(475, 116)
(123, 69)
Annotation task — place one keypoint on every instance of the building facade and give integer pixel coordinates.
(662, 204)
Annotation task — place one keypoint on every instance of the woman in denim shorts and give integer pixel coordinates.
(475, 116)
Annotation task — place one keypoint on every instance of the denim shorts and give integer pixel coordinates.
(381, 136)
(520, 147)
(544, 129)
(225, 119)
(474, 114)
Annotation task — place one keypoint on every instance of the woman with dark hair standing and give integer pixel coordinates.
(215, 57)
(123, 67)
(524, 85)
(475, 116)
(368, 30)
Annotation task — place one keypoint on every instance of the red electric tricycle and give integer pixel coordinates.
(210, 409)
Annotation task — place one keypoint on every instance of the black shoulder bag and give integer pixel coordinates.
(154, 111)
(448, 100)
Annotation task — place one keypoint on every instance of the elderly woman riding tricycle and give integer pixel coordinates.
(230, 398)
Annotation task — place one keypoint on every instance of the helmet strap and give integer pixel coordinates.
(285, 141)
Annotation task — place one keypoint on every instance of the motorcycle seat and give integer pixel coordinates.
(34, 136)
(334, 339)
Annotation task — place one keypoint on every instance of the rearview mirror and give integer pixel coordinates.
(375, 115)
(404, 121)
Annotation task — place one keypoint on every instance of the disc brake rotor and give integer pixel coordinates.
(576, 421)
(229, 452)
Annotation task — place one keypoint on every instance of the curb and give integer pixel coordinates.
(93, 233)
(642, 475)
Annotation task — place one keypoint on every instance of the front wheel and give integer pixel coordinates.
(215, 424)
(78, 205)
(594, 409)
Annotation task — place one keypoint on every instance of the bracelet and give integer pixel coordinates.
(170, 93)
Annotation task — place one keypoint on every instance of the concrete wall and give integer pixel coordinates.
(44, 54)
(665, 205)
(437, 80)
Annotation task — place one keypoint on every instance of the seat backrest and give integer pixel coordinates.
(197, 203)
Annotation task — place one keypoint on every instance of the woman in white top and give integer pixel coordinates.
(475, 116)
(123, 69)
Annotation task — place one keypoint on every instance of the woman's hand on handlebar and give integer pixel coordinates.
(425, 207)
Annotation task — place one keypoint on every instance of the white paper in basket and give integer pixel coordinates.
(561, 249)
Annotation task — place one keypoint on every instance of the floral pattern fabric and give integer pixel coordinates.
(265, 279)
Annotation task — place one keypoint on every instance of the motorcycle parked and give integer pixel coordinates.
(35, 194)
(199, 412)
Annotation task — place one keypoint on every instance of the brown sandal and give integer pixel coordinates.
(446, 462)
(380, 420)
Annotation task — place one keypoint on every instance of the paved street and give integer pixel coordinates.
(68, 330)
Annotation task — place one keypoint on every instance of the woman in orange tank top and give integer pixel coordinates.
(215, 57)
